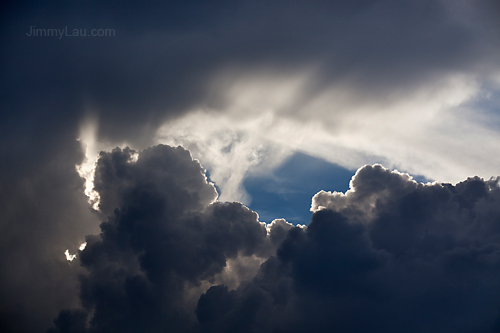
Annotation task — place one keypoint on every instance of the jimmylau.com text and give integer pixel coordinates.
(65, 32)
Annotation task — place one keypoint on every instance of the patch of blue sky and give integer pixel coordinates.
(288, 190)
(422, 179)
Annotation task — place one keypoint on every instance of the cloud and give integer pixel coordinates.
(356, 83)
(412, 85)
(350, 83)
(164, 243)
(45, 213)
(390, 255)
(434, 128)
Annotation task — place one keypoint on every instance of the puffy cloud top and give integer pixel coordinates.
(164, 238)
(389, 255)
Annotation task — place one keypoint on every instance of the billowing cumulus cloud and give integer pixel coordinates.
(388, 255)
(391, 255)
(164, 240)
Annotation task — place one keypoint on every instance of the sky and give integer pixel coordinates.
(250, 166)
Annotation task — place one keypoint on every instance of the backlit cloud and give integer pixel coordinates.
(252, 92)
(168, 256)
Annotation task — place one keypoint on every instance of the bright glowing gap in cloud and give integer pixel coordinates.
(69, 257)
(426, 129)
(86, 170)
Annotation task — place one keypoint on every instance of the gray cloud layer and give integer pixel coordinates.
(164, 56)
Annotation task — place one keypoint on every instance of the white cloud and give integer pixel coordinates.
(431, 129)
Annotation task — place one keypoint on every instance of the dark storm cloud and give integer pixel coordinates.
(162, 240)
(423, 258)
(390, 255)
(160, 64)
(162, 58)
